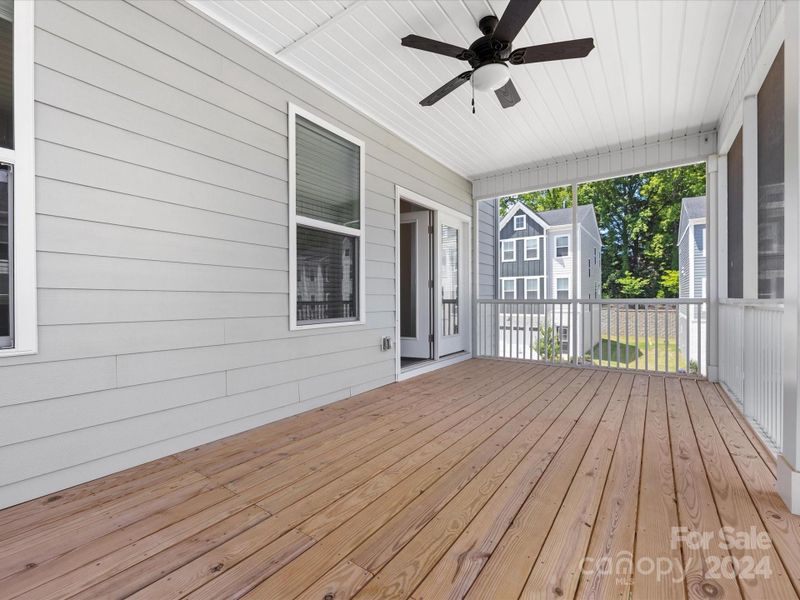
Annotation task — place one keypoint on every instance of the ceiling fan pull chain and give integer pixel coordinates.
(472, 81)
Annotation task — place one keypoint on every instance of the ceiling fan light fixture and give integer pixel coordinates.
(490, 77)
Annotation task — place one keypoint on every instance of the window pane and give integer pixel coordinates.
(327, 175)
(770, 182)
(6, 73)
(326, 276)
(562, 246)
(449, 277)
(5, 258)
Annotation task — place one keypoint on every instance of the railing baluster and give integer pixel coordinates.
(608, 335)
(677, 338)
(646, 339)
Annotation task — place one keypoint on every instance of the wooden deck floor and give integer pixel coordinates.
(487, 480)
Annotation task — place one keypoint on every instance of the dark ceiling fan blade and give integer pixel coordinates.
(446, 89)
(429, 45)
(555, 51)
(508, 94)
(514, 18)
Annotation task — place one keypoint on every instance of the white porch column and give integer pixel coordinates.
(712, 310)
(789, 461)
(750, 197)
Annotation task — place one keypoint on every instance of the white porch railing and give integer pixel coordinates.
(661, 335)
(751, 362)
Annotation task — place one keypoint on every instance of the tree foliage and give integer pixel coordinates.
(638, 217)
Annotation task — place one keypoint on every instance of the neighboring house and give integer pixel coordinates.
(535, 254)
(535, 260)
(692, 273)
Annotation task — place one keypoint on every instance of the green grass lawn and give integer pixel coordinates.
(611, 348)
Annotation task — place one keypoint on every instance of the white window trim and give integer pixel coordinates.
(503, 288)
(295, 220)
(535, 247)
(23, 210)
(703, 236)
(524, 225)
(569, 245)
(513, 250)
(539, 286)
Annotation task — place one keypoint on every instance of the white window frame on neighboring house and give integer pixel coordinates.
(519, 219)
(513, 250)
(567, 279)
(503, 281)
(295, 220)
(555, 242)
(538, 280)
(534, 248)
(22, 193)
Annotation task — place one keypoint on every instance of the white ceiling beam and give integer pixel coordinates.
(637, 159)
(298, 43)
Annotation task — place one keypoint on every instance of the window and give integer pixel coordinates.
(532, 288)
(17, 213)
(589, 264)
(509, 250)
(700, 237)
(509, 289)
(595, 255)
(326, 172)
(562, 288)
(532, 249)
(519, 222)
(562, 245)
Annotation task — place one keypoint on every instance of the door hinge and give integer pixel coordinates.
(430, 229)
(430, 283)
(430, 338)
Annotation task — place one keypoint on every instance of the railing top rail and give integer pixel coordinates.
(607, 301)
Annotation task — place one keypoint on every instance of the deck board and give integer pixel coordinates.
(487, 479)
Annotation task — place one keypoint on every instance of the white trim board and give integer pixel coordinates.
(23, 185)
(689, 149)
(433, 365)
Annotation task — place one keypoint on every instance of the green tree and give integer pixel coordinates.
(669, 284)
(538, 201)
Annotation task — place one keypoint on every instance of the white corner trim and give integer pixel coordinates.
(24, 297)
(788, 485)
(293, 112)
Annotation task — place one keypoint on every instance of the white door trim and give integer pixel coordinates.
(403, 193)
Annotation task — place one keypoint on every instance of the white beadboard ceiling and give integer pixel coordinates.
(660, 70)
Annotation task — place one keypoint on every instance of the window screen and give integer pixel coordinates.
(6, 74)
(770, 182)
(735, 254)
(328, 185)
(326, 275)
(5, 258)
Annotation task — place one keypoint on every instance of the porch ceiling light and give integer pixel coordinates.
(490, 76)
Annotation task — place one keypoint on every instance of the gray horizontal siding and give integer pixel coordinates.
(162, 246)
(487, 244)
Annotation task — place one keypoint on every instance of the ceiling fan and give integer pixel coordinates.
(489, 54)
